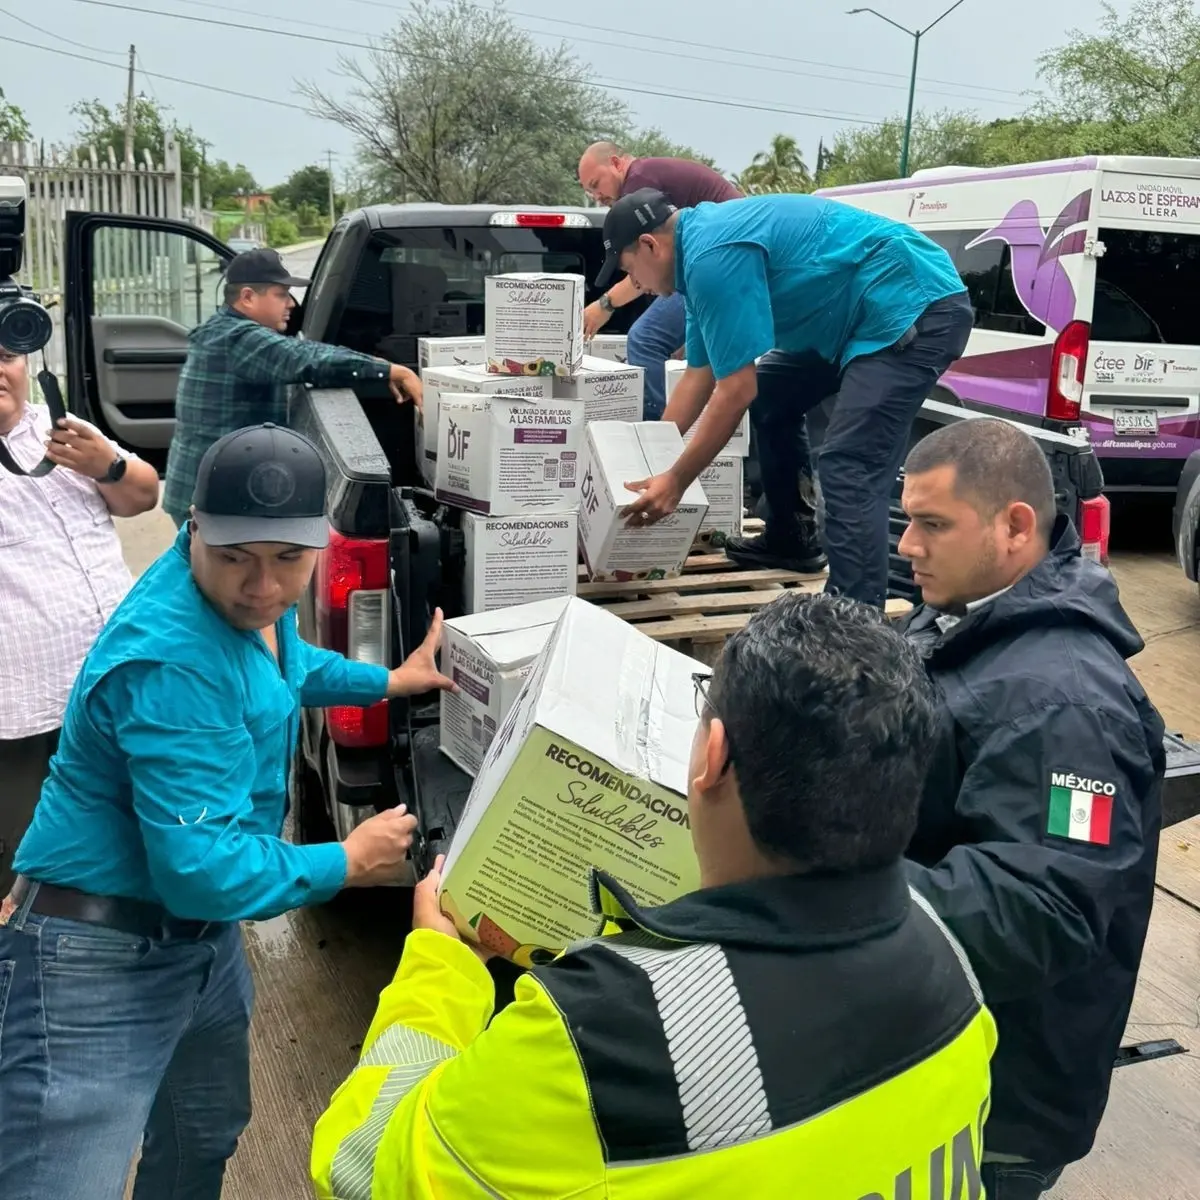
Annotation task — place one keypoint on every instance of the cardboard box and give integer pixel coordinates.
(722, 484)
(533, 324)
(739, 444)
(610, 346)
(609, 391)
(489, 656)
(449, 352)
(474, 380)
(616, 453)
(501, 454)
(519, 559)
(589, 769)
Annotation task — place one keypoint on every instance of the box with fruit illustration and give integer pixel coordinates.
(589, 768)
(533, 324)
(616, 453)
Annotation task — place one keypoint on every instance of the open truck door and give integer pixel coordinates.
(136, 287)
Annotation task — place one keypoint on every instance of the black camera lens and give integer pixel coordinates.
(25, 326)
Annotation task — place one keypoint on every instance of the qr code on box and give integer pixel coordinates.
(550, 468)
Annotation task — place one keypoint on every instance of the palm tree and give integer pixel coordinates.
(780, 169)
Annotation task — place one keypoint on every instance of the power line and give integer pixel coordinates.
(208, 87)
(626, 85)
(59, 36)
(723, 50)
(665, 53)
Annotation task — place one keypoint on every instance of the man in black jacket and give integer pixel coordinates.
(1041, 814)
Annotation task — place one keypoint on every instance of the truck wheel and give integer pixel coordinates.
(310, 821)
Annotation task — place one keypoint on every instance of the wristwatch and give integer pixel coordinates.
(605, 303)
(116, 471)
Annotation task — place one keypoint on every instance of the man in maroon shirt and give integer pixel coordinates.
(607, 173)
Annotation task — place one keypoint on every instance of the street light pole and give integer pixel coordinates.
(916, 35)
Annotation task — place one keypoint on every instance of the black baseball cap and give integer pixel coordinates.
(261, 266)
(640, 212)
(262, 484)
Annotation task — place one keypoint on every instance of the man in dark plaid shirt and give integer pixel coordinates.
(240, 364)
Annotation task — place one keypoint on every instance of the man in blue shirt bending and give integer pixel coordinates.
(128, 993)
(837, 303)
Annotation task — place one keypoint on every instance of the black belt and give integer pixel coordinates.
(139, 918)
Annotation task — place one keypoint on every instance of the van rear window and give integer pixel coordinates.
(1147, 288)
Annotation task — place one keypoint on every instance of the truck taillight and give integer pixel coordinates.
(1068, 363)
(352, 618)
(1094, 520)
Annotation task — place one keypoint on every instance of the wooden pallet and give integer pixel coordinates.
(713, 598)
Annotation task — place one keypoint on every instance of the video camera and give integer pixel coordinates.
(25, 326)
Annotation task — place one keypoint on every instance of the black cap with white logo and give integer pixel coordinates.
(262, 484)
(262, 266)
(640, 212)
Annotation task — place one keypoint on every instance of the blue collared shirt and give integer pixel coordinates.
(801, 273)
(170, 781)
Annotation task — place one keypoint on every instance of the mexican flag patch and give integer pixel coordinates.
(1080, 809)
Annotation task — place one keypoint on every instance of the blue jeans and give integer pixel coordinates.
(875, 399)
(105, 1038)
(653, 338)
(1017, 1181)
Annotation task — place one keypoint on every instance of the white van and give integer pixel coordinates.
(1085, 278)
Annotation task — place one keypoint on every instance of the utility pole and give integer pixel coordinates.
(916, 35)
(127, 176)
(332, 203)
(129, 109)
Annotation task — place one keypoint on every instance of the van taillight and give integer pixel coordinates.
(352, 618)
(1094, 521)
(1068, 363)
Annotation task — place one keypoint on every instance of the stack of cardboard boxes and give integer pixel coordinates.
(535, 441)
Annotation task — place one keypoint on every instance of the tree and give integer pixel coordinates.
(14, 125)
(459, 105)
(102, 128)
(780, 169)
(308, 185)
(220, 182)
(868, 153)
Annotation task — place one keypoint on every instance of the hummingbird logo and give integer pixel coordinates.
(1041, 281)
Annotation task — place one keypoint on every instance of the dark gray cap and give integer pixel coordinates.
(262, 484)
(262, 266)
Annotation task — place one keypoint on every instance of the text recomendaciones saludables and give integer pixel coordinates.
(600, 774)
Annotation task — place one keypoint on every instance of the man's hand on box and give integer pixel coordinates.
(377, 850)
(427, 911)
(660, 496)
(594, 319)
(406, 386)
(419, 671)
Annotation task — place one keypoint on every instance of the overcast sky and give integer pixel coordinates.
(813, 67)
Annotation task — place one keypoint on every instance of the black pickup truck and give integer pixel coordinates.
(386, 276)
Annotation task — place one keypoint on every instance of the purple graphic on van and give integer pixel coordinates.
(1042, 284)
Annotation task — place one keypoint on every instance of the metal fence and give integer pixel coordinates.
(135, 272)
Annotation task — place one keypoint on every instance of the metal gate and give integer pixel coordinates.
(90, 183)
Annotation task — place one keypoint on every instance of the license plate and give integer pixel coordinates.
(1135, 422)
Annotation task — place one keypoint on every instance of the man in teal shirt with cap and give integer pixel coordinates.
(128, 994)
(837, 303)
